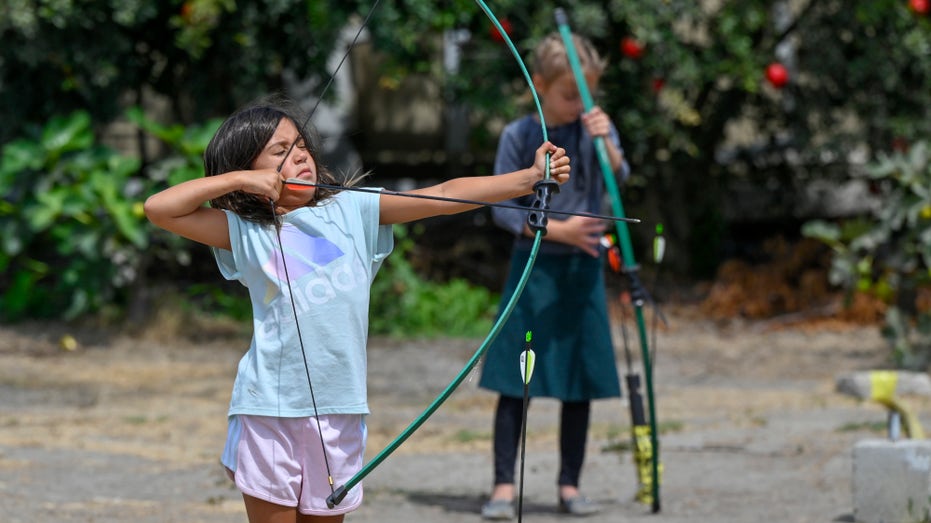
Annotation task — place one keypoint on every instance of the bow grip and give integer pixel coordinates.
(537, 218)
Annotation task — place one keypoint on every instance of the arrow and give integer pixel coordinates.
(298, 185)
(527, 360)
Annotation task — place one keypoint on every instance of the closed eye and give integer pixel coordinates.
(281, 149)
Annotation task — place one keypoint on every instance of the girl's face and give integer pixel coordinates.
(561, 101)
(298, 164)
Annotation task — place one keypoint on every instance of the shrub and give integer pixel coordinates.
(71, 225)
(888, 253)
(405, 304)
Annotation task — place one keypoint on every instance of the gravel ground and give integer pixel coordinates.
(129, 428)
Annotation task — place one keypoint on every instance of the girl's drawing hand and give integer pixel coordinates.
(559, 162)
(263, 182)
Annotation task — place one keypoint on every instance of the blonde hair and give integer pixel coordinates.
(550, 60)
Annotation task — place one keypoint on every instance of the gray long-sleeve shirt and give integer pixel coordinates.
(583, 192)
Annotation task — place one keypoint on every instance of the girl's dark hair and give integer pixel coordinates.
(238, 142)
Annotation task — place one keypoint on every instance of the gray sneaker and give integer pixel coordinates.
(579, 506)
(498, 509)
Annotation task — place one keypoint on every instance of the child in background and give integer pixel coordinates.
(575, 356)
(307, 257)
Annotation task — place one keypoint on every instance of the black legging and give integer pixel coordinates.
(573, 431)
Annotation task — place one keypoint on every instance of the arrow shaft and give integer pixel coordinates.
(502, 205)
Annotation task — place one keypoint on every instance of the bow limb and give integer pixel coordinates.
(341, 491)
(630, 265)
(503, 315)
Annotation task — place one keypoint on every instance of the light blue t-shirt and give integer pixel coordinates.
(332, 253)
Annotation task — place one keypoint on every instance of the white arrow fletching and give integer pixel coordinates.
(527, 359)
(659, 249)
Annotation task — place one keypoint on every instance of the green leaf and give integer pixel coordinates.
(63, 134)
(48, 207)
(196, 138)
(128, 224)
(122, 167)
(170, 134)
(184, 173)
(822, 230)
(19, 156)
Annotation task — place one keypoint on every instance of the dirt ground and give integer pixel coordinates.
(129, 428)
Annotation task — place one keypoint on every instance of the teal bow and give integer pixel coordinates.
(623, 235)
(503, 316)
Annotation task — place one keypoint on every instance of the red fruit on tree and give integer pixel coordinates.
(658, 84)
(777, 74)
(919, 7)
(496, 34)
(631, 48)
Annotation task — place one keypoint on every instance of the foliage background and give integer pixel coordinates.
(721, 157)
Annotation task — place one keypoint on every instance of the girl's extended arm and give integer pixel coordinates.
(399, 209)
(181, 209)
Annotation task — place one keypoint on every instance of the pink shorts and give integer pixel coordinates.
(280, 460)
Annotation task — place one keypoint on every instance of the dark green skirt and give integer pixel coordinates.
(564, 306)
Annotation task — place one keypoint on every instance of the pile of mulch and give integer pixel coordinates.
(790, 286)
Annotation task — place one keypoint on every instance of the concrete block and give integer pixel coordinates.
(892, 481)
